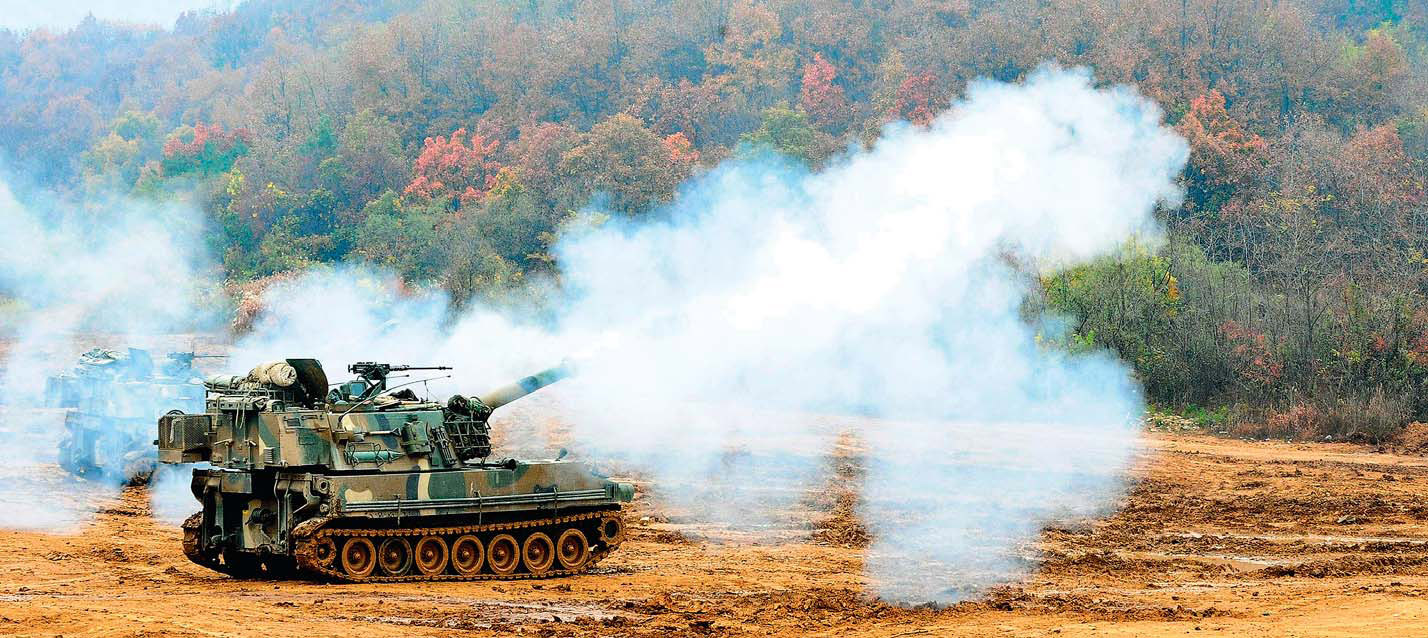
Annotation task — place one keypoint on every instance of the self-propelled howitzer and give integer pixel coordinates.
(359, 481)
(110, 400)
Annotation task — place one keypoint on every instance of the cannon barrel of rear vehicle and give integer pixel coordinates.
(503, 395)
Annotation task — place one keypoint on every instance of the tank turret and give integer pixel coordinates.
(362, 481)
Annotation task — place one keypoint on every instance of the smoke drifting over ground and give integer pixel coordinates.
(877, 287)
(116, 273)
(725, 345)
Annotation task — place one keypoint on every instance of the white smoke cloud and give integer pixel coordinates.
(878, 287)
(766, 296)
(349, 313)
(115, 273)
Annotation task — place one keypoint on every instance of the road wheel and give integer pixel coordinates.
(467, 555)
(395, 556)
(503, 554)
(431, 554)
(572, 549)
(326, 551)
(538, 552)
(359, 557)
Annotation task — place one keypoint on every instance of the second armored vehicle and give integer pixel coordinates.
(111, 398)
(366, 482)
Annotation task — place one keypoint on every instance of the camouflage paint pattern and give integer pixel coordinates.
(279, 457)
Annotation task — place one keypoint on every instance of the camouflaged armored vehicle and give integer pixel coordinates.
(111, 398)
(363, 482)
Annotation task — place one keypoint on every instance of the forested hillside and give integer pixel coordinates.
(451, 141)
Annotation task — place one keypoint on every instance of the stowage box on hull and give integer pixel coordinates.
(364, 484)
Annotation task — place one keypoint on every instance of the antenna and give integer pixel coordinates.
(377, 394)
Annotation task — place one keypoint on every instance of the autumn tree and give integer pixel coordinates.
(1225, 159)
(206, 149)
(454, 168)
(789, 133)
(920, 98)
(538, 154)
(821, 99)
(751, 67)
(683, 106)
(626, 162)
(1372, 78)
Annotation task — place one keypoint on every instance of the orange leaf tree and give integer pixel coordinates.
(1224, 157)
(820, 98)
(450, 167)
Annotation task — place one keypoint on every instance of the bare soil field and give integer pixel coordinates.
(1229, 537)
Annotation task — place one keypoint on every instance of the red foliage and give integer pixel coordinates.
(1257, 364)
(1378, 168)
(919, 98)
(1212, 124)
(209, 151)
(451, 166)
(821, 99)
(1419, 349)
(1418, 345)
(1221, 149)
(203, 134)
(1378, 343)
(684, 106)
(681, 150)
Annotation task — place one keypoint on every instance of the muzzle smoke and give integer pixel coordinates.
(879, 287)
(114, 273)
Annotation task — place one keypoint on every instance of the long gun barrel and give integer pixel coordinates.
(501, 396)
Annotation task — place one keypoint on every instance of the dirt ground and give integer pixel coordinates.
(1238, 538)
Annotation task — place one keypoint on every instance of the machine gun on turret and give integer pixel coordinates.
(374, 376)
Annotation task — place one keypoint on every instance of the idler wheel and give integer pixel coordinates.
(359, 557)
(538, 552)
(572, 549)
(395, 556)
(503, 554)
(431, 554)
(325, 551)
(612, 530)
(467, 555)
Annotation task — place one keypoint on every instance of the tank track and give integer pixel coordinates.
(191, 527)
(308, 537)
(190, 538)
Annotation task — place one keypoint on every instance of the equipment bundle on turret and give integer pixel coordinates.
(363, 482)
